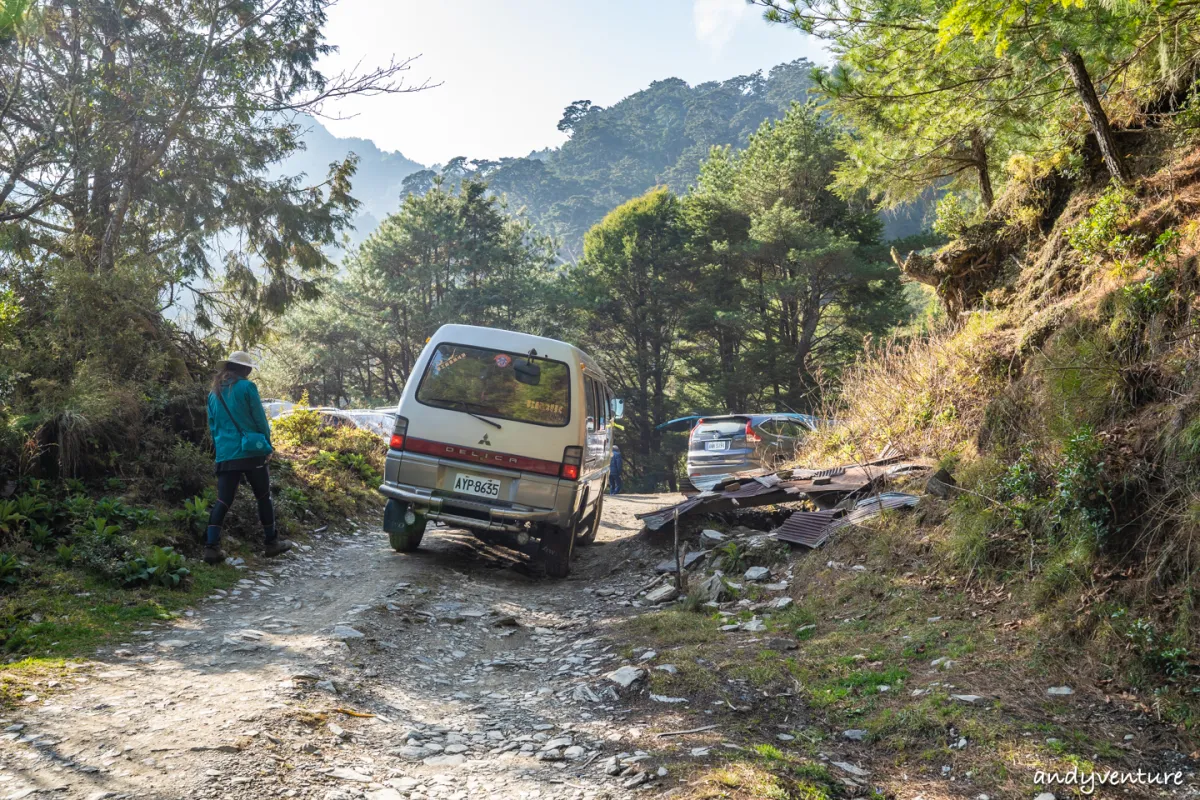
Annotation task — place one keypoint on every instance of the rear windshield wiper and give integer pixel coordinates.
(463, 404)
(491, 422)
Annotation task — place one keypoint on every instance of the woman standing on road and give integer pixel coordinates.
(242, 437)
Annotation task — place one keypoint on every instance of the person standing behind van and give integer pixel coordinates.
(242, 437)
(614, 471)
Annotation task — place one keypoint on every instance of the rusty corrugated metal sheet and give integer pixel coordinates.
(656, 519)
(873, 507)
(809, 528)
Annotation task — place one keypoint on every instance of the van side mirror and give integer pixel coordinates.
(618, 408)
(527, 372)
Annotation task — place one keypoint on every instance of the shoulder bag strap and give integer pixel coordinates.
(221, 400)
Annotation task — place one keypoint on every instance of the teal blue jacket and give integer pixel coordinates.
(246, 406)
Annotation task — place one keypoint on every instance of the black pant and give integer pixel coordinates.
(227, 483)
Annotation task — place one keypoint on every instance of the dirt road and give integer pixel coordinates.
(484, 681)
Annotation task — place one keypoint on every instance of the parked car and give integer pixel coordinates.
(721, 446)
(500, 431)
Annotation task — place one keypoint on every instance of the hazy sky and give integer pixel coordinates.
(509, 67)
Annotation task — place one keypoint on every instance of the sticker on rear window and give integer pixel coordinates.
(502, 360)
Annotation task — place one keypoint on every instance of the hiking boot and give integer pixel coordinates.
(213, 555)
(278, 547)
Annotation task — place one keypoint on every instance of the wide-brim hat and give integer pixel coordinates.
(242, 358)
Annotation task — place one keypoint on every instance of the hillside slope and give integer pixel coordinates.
(1059, 388)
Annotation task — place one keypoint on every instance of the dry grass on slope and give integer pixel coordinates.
(1067, 404)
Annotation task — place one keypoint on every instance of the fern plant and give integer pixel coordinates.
(65, 554)
(32, 507)
(193, 514)
(162, 566)
(40, 537)
(11, 519)
(10, 569)
(167, 567)
(99, 527)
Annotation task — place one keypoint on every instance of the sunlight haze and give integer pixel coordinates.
(508, 69)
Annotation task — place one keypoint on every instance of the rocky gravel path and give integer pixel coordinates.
(347, 671)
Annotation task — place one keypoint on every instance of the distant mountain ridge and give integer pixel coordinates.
(377, 183)
(656, 136)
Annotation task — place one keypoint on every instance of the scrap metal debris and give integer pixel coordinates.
(874, 506)
(813, 528)
(809, 528)
(825, 487)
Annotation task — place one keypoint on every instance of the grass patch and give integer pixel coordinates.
(670, 628)
(773, 776)
(70, 613)
(33, 676)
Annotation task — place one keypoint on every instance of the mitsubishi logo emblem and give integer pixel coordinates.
(485, 440)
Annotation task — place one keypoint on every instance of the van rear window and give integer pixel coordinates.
(499, 384)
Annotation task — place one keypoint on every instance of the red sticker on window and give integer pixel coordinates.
(502, 360)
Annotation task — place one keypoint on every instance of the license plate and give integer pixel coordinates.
(480, 487)
(716, 445)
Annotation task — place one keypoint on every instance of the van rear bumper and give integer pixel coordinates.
(443, 509)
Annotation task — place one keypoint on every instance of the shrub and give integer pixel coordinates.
(168, 567)
(954, 215)
(300, 427)
(78, 507)
(65, 554)
(1080, 496)
(194, 513)
(11, 520)
(100, 553)
(1098, 235)
(33, 508)
(10, 569)
(99, 527)
(40, 537)
(162, 566)
(188, 472)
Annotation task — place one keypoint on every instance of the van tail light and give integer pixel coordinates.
(572, 461)
(399, 431)
(751, 436)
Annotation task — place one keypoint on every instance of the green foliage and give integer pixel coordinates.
(40, 537)
(161, 566)
(1161, 653)
(733, 557)
(942, 94)
(654, 137)
(302, 426)
(79, 506)
(1099, 236)
(194, 513)
(103, 555)
(11, 569)
(99, 527)
(452, 254)
(188, 470)
(1079, 496)
(11, 520)
(954, 215)
(65, 554)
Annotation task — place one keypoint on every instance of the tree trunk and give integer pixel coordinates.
(1096, 115)
(979, 154)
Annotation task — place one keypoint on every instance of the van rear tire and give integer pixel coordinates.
(557, 547)
(588, 534)
(406, 541)
(403, 536)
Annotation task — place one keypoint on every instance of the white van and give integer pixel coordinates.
(501, 432)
